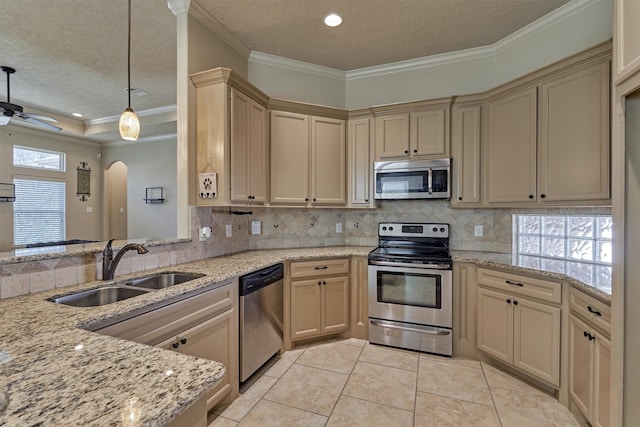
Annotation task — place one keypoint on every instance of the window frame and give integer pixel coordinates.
(62, 163)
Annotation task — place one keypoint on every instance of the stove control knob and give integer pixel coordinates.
(384, 228)
(390, 228)
(442, 229)
(435, 229)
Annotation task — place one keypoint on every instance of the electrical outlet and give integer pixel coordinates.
(338, 227)
(229, 228)
(256, 227)
(478, 231)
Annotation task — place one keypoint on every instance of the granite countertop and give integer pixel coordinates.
(57, 372)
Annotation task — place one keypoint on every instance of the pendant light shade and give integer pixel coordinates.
(129, 124)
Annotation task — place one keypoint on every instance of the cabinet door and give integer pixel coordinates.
(392, 136)
(359, 313)
(510, 175)
(306, 298)
(536, 339)
(626, 38)
(574, 136)
(466, 155)
(258, 159)
(215, 339)
(289, 158)
(429, 133)
(328, 161)
(335, 304)
(602, 377)
(360, 164)
(580, 366)
(240, 146)
(495, 324)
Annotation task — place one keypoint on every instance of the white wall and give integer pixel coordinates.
(472, 71)
(149, 164)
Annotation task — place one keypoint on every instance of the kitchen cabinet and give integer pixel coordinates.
(204, 325)
(360, 162)
(249, 154)
(466, 140)
(626, 16)
(231, 139)
(590, 357)
(515, 328)
(421, 132)
(359, 313)
(308, 160)
(548, 143)
(319, 298)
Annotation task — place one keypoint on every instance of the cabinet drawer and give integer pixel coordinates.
(158, 325)
(543, 290)
(596, 312)
(324, 267)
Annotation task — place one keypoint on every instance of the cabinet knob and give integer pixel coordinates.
(508, 301)
(366, 200)
(515, 302)
(306, 199)
(459, 197)
(542, 196)
(406, 151)
(314, 199)
(324, 283)
(175, 345)
(415, 151)
(531, 196)
(183, 341)
(319, 282)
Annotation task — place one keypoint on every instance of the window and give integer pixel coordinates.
(36, 158)
(39, 211)
(578, 246)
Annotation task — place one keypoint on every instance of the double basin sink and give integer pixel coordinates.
(125, 290)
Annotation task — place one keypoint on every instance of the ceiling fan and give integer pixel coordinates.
(9, 110)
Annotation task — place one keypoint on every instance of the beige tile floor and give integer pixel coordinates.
(354, 383)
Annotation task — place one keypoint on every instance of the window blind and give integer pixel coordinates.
(38, 211)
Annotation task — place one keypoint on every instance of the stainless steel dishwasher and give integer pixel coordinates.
(261, 318)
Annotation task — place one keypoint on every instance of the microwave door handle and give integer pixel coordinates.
(430, 181)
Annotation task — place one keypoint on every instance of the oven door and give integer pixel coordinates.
(414, 295)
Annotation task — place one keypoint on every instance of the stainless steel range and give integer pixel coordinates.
(410, 289)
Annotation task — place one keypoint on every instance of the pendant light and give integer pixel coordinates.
(129, 124)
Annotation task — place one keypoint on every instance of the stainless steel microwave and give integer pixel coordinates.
(413, 179)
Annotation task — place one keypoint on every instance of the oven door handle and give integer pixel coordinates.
(403, 264)
(414, 328)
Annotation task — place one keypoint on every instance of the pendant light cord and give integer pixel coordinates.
(129, 57)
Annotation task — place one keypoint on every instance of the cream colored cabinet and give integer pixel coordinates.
(510, 172)
(204, 325)
(465, 149)
(359, 314)
(422, 134)
(230, 139)
(308, 160)
(249, 154)
(590, 357)
(319, 298)
(626, 39)
(360, 162)
(516, 329)
(574, 140)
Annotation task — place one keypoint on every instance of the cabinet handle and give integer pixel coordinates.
(175, 344)
(542, 196)
(324, 267)
(509, 282)
(508, 301)
(531, 196)
(588, 335)
(592, 311)
(183, 341)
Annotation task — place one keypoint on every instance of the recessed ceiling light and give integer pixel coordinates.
(333, 20)
(76, 114)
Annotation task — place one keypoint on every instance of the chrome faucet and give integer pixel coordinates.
(109, 263)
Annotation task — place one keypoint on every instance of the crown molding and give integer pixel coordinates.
(141, 140)
(141, 113)
(201, 14)
(295, 65)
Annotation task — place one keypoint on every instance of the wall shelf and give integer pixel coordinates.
(154, 195)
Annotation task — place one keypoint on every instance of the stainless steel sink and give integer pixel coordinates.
(100, 296)
(162, 280)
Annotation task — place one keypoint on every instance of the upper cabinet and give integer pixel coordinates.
(548, 140)
(419, 130)
(626, 16)
(466, 137)
(308, 160)
(361, 147)
(231, 140)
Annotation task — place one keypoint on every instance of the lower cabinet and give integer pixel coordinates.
(319, 302)
(205, 326)
(517, 330)
(359, 314)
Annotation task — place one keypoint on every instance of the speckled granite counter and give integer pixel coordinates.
(506, 262)
(58, 373)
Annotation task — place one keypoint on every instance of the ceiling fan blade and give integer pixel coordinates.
(40, 117)
(39, 123)
(4, 120)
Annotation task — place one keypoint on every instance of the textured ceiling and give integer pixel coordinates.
(71, 54)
